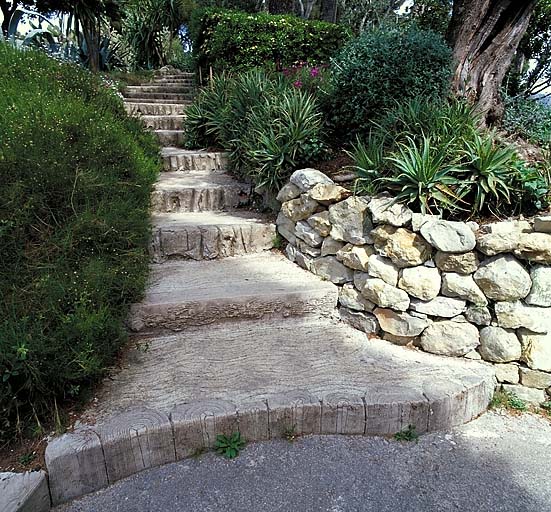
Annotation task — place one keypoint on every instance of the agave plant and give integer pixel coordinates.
(369, 161)
(422, 175)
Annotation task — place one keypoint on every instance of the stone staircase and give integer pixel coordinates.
(231, 335)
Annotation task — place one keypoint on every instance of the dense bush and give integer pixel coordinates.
(381, 67)
(233, 40)
(76, 176)
(269, 126)
(529, 118)
(433, 157)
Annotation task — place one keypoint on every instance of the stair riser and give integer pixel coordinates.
(177, 76)
(153, 318)
(178, 88)
(170, 138)
(146, 96)
(158, 101)
(163, 122)
(155, 109)
(210, 242)
(162, 81)
(210, 162)
(200, 200)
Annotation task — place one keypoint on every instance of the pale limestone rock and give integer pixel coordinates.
(501, 237)
(540, 293)
(288, 192)
(332, 269)
(365, 322)
(350, 220)
(534, 247)
(381, 293)
(403, 247)
(498, 345)
(351, 298)
(507, 373)
(320, 222)
(478, 315)
(514, 315)
(536, 350)
(307, 249)
(355, 256)
(465, 263)
(402, 341)
(386, 210)
(401, 324)
(418, 220)
(299, 209)
(291, 252)
(473, 355)
(463, 287)
(448, 236)
(328, 193)
(330, 246)
(503, 278)
(305, 232)
(531, 395)
(421, 282)
(542, 223)
(450, 338)
(445, 307)
(305, 179)
(534, 378)
(383, 268)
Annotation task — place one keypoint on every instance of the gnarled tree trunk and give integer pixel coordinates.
(484, 35)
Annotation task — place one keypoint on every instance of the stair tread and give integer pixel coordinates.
(175, 180)
(174, 151)
(209, 219)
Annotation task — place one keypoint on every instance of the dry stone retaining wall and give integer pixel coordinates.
(449, 288)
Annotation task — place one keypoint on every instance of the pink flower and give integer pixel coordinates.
(314, 72)
(298, 84)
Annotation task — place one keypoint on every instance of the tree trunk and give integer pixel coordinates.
(484, 35)
(329, 10)
(91, 35)
(7, 12)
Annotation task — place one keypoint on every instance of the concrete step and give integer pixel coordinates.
(176, 159)
(176, 76)
(145, 97)
(197, 191)
(174, 88)
(209, 235)
(170, 137)
(186, 293)
(155, 109)
(161, 81)
(160, 101)
(167, 122)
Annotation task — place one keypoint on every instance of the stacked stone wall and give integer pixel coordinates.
(449, 288)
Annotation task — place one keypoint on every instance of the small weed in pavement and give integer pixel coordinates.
(408, 434)
(229, 447)
(507, 400)
(290, 433)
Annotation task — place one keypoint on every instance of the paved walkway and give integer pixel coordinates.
(496, 463)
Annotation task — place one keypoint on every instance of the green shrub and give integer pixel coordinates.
(237, 41)
(529, 118)
(76, 177)
(381, 67)
(269, 126)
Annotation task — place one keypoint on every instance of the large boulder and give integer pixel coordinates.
(351, 298)
(350, 220)
(355, 256)
(305, 179)
(386, 210)
(463, 287)
(503, 278)
(499, 345)
(445, 307)
(540, 293)
(448, 236)
(536, 350)
(534, 247)
(401, 324)
(465, 263)
(514, 315)
(501, 237)
(328, 193)
(403, 247)
(300, 208)
(418, 220)
(421, 282)
(383, 268)
(332, 269)
(450, 338)
(381, 293)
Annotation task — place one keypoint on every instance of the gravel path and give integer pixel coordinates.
(496, 463)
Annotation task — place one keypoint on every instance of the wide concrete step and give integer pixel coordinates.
(186, 293)
(155, 109)
(166, 122)
(170, 137)
(171, 88)
(176, 159)
(176, 76)
(162, 81)
(209, 235)
(197, 192)
(147, 96)
(160, 101)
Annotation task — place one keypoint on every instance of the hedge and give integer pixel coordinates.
(234, 40)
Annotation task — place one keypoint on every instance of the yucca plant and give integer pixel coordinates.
(369, 161)
(423, 175)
